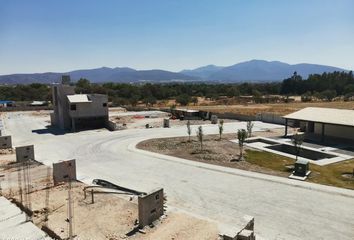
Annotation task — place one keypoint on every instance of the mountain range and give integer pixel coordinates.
(250, 71)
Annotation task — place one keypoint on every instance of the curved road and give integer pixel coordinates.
(283, 208)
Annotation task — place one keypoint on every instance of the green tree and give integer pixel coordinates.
(183, 99)
(189, 130)
(194, 100)
(221, 128)
(249, 128)
(297, 141)
(200, 136)
(241, 136)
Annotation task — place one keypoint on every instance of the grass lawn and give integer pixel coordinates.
(327, 175)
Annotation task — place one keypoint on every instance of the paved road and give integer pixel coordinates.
(283, 209)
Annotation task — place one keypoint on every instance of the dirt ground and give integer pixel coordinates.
(226, 153)
(111, 216)
(215, 151)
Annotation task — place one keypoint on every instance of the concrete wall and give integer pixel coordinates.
(335, 131)
(97, 108)
(270, 118)
(61, 105)
(5, 142)
(150, 207)
(25, 153)
(64, 170)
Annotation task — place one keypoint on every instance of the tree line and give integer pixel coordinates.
(324, 86)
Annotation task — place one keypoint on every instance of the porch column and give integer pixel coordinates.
(323, 132)
(286, 127)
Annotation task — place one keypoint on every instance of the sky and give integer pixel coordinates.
(65, 35)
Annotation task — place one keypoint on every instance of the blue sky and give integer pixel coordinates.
(63, 35)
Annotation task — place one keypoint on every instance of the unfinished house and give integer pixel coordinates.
(323, 124)
(78, 111)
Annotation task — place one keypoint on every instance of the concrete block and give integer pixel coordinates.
(245, 235)
(25, 153)
(150, 207)
(214, 119)
(5, 142)
(64, 171)
(166, 123)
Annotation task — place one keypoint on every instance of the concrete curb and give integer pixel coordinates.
(294, 183)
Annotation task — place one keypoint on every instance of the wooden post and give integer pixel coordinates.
(92, 197)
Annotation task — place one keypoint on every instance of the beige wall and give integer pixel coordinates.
(335, 131)
(91, 109)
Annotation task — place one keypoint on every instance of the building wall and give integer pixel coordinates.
(61, 106)
(335, 131)
(97, 108)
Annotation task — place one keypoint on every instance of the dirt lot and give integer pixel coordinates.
(224, 153)
(215, 151)
(112, 216)
(277, 108)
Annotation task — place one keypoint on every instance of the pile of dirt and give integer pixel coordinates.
(7, 151)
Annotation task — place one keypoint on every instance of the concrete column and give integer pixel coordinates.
(323, 132)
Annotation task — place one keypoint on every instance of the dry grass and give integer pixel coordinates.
(277, 108)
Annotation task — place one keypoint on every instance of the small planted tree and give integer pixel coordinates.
(241, 136)
(297, 141)
(221, 127)
(249, 126)
(200, 136)
(189, 130)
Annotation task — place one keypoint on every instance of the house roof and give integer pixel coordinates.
(79, 98)
(324, 115)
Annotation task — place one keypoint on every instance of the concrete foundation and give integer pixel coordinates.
(64, 171)
(150, 207)
(25, 153)
(5, 142)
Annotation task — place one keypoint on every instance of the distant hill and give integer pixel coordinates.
(99, 75)
(202, 72)
(258, 70)
(254, 71)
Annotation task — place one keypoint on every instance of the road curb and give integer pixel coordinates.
(238, 172)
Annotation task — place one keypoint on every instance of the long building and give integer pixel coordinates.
(77, 111)
(323, 123)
